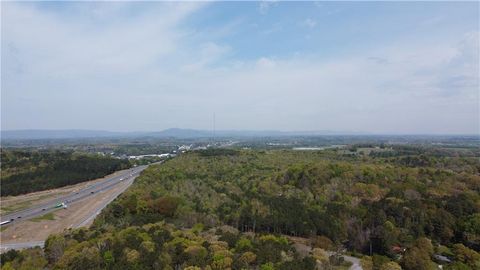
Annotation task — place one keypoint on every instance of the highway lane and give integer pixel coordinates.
(22, 245)
(6, 247)
(97, 211)
(73, 197)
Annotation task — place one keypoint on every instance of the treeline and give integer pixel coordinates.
(371, 205)
(211, 152)
(160, 246)
(29, 171)
(135, 149)
(390, 213)
(398, 150)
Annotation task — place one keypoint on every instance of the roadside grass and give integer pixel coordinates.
(5, 210)
(49, 216)
(3, 228)
(16, 207)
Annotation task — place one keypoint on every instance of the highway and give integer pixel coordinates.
(74, 197)
(97, 210)
(6, 247)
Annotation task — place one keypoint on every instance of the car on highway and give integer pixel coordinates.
(5, 222)
(62, 204)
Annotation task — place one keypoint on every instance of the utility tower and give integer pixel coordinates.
(214, 128)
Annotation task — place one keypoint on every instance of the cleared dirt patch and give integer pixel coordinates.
(11, 204)
(80, 213)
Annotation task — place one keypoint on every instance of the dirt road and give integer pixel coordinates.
(303, 248)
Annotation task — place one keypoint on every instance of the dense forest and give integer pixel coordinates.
(29, 171)
(410, 209)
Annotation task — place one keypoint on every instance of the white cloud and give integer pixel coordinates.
(399, 95)
(148, 74)
(265, 62)
(264, 6)
(309, 23)
(67, 46)
(208, 54)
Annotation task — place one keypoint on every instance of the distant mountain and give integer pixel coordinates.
(35, 134)
(32, 134)
(276, 133)
(181, 133)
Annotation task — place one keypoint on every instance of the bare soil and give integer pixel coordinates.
(11, 204)
(77, 214)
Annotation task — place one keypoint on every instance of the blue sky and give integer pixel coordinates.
(330, 29)
(379, 67)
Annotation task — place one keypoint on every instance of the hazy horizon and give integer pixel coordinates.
(242, 131)
(369, 67)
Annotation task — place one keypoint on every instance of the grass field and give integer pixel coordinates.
(49, 216)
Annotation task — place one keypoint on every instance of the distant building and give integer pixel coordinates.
(150, 155)
(184, 147)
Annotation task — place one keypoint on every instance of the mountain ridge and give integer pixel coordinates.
(26, 134)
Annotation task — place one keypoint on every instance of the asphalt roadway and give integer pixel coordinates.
(73, 197)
